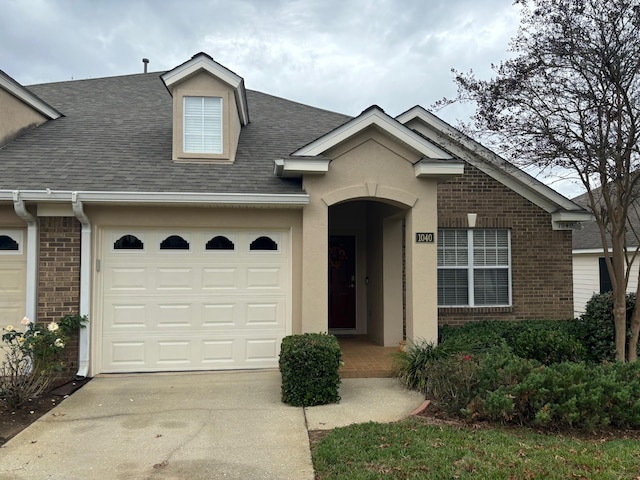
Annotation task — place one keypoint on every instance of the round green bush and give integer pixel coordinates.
(595, 328)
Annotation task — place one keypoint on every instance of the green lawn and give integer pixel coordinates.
(413, 449)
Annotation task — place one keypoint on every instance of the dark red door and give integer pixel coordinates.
(342, 281)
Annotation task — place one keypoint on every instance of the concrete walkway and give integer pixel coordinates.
(189, 426)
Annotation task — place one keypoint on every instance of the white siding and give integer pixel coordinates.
(586, 279)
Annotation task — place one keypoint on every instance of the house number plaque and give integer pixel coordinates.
(424, 237)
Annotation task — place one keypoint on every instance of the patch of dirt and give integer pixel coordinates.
(316, 435)
(14, 420)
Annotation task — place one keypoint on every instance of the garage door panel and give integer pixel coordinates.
(194, 310)
(262, 314)
(123, 355)
(175, 278)
(174, 315)
(174, 352)
(264, 278)
(126, 316)
(127, 279)
(220, 278)
(219, 315)
(218, 352)
(230, 351)
(12, 280)
(262, 350)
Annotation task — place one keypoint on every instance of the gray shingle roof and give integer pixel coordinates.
(116, 136)
(588, 237)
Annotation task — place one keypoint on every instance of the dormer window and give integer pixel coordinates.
(209, 110)
(203, 125)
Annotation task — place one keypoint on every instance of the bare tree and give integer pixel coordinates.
(569, 97)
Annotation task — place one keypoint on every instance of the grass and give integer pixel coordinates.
(413, 449)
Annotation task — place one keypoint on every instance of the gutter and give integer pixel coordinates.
(32, 254)
(85, 284)
(169, 198)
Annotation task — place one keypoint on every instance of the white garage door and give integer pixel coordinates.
(193, 299)
(13, 268)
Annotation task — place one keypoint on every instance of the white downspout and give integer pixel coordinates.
(85, 284)
(32, 255)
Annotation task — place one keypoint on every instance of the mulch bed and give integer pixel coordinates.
(14, 420)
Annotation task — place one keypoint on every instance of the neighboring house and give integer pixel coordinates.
(197, 222)
(590, 274)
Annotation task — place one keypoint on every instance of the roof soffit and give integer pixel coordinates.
(203, 62)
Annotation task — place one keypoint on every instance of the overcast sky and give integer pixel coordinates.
(341, 55)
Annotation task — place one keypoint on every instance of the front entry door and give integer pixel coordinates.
(342, 281)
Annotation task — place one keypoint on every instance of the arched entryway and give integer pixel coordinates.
(365, 262)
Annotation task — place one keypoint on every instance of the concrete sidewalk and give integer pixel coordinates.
(189, 426)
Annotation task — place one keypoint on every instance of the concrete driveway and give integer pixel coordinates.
(189, 426)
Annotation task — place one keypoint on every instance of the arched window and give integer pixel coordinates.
(128, 242)
(8, 243)
(174, 242)
(263, 243)
(220, 243)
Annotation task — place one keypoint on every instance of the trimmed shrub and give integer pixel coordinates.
(548, 345)
(309, 366)
(547, 341)
(566, 395)
(596, 329)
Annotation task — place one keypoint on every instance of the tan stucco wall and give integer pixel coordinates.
(371, 166)
(205, 85)
(16, 117)
(8, 217)
(382, 257)
(291, 219)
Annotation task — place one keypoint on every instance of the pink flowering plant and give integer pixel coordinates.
(33, 353)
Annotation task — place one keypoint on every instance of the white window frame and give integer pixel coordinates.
(471, 268)
(216, 135)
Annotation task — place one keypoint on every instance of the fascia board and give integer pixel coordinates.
(568, 220)
(227, 76)
(383, 122)
(514, 178)
(296, 167)
(177, 198)
(18, 91)
(572, 216)
(425, 169)
(588, 251)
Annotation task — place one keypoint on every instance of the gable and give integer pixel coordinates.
(21, 109)
(427, 158)
(565, 213)
(372, 142)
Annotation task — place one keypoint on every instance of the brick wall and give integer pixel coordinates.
(59, 277)
(540, 257)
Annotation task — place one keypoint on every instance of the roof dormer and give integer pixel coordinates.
(209, 110)
(21, 109)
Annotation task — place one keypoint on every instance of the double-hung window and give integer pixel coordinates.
(474, 267)
(203, 125)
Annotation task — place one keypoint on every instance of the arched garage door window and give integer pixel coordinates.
(263, 243)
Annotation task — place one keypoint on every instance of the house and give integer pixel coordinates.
(590, 274)
(197, 222)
